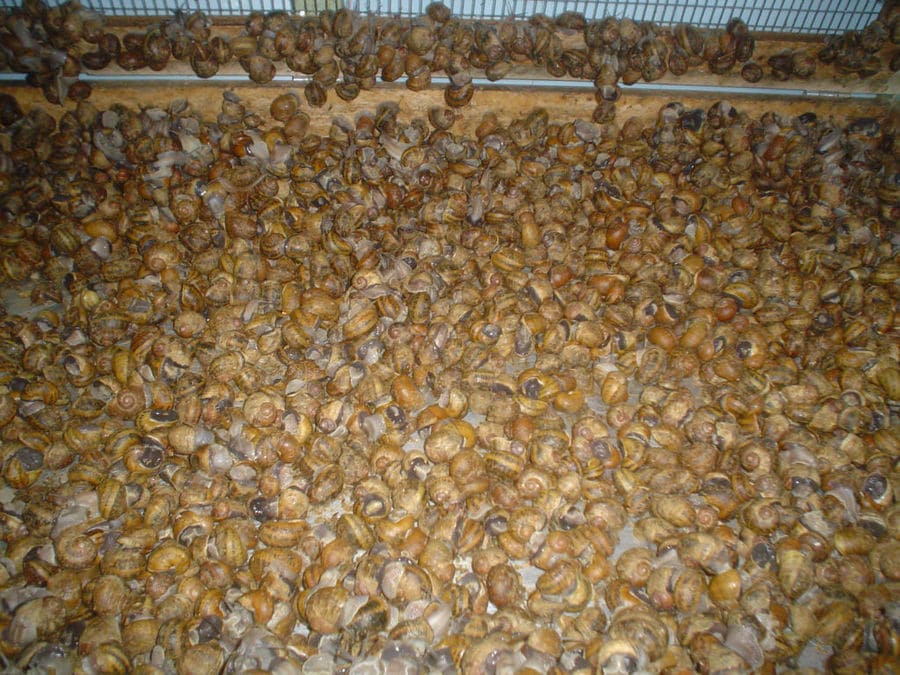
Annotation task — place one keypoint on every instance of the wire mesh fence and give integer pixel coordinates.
(790, 16)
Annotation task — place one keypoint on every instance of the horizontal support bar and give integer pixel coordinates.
(513, 82)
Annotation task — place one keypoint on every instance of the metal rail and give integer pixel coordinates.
(666, 88)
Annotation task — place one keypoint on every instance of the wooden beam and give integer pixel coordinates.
(507, 102)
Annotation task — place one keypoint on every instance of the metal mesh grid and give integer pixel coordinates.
(791, 16)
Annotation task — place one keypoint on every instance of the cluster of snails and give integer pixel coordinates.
(44, 42)
(348, 52)
(553, 396)
(856, 52)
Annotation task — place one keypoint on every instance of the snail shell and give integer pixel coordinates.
(263, 409)
(676, 509)
(322, 608)
(635, 566)
(795, 572)
(75, 550)
(169, 555)
(644, 627)
(725, 588)
(504, 586)
(206, 657)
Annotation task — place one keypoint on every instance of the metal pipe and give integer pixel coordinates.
(537, 83)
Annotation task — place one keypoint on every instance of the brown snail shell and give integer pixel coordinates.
(795, 573)
(644, 627)
(76, 551)
(619, 655)
(504, 586)
(187, 438)
(725, 587)
(202, 658)
(284, 106)
(322, 608)
(635, 566)
(676, 509)
(204, 61)
(458, 96)
(263, 409)
(168, 556)
(315, 94)
(260, 69)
